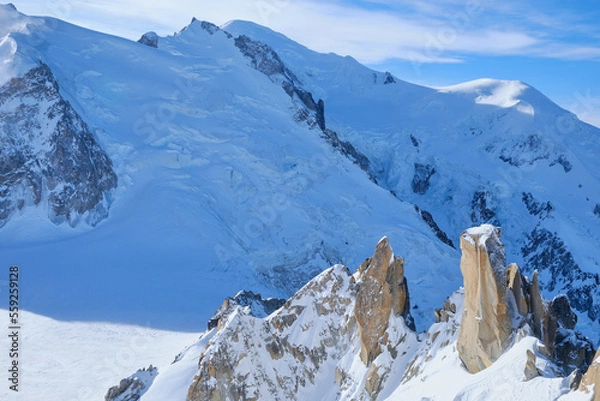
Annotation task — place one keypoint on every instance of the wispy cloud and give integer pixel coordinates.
(372, 31)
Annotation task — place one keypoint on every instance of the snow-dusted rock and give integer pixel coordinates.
(49, 155)
(486, 323)
(133, 387)
(253, 304)
(338, 338)
(149, 39)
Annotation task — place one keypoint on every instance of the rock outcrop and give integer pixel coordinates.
(530, 370)
(265, 59)
(339, 328)
(256, 305)
(518, 287)
(421, 179)
(590, 383)
(350, 337)
(382, 291)
(486, 324)
(133, 387)
(499, 299)
(149, 39)
(546, 252)
(49, 155)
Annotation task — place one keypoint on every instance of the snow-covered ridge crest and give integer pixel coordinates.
(339, 336)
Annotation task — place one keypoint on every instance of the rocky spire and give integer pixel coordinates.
(486, 324)
(498, 299)
(382, 290)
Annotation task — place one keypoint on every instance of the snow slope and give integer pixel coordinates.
(82, 360)
(219, 187)
(486, 151)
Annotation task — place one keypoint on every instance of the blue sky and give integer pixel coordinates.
(551, 45)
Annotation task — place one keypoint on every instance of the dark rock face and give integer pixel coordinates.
(573, 351)
(415, 141)
(49, 154)
(428, 218)
(525, 152)
(257, 305)
(211, 28)
(546, 252)
(423, 173)
(564, 162)
(569, 348)
(149, 39)
(264, 58)
(535, 208)
(481, 211)
(267, 61)
(389, 79)
(561, 308)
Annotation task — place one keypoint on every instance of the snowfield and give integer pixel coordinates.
(81, 360)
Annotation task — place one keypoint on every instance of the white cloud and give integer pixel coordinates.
(379, 30)
(586, 105)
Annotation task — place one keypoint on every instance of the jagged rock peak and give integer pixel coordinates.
(255, 305)
(498, 299)
(210, 27)
(339, 326)
(382, 290)
(149, 39)
(486, 324)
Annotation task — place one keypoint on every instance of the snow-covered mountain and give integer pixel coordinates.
(143, 183)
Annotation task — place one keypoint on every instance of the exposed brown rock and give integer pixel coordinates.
(515, 283)
(374, 381)
(590, 383)
(443, 314)
(537, 306)
(486, 324)
(494, 299)
(382, 291)
(531, 370)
